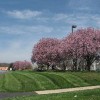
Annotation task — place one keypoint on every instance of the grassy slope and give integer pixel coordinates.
(31, 81)
(81, 95)
(2, 79)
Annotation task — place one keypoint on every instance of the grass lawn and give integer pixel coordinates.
(19, 81)
(80, 95)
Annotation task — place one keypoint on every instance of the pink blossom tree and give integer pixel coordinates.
(46, 51)
(84, 43)
(21, 65)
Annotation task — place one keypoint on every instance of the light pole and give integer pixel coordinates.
(75, 59)
(73, 26)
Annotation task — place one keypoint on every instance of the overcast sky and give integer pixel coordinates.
(24, 22)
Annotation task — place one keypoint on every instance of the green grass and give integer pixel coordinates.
(19, 81)
(81, 95)
(11, 83)
(2, 79)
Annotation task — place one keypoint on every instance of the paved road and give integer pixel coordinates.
(11, 95)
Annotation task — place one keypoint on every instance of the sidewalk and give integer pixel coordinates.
(66, 90)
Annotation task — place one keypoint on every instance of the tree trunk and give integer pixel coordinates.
(48, 66)
(89, 63)
(53, 67)
(88, 66)
(64, 66)
(75, 64)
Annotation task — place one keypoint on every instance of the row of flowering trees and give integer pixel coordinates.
(20, 65)
(81, 48)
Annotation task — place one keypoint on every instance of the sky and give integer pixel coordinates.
(24, 22)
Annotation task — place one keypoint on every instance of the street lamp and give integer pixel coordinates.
(73, 26)
(75, 59)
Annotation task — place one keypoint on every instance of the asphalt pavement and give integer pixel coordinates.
(11, 95)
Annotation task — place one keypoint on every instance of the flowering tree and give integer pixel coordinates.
(21, 65)
(83, 43)
(46, 51)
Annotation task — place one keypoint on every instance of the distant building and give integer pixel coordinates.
(3, 68)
